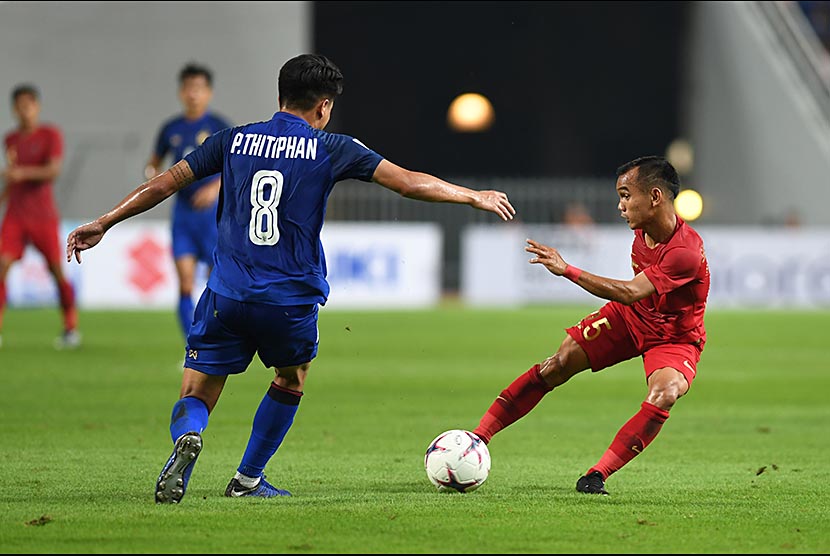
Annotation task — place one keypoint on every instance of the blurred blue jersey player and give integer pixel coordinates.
(194, 213)
(270, 271)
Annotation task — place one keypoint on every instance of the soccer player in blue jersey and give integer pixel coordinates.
(269, 275)
(194, 213)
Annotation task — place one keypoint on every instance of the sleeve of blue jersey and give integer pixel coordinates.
(350, 159)
(206, 159)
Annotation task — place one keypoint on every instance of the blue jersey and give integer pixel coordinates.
(276, 179)
(178, 137)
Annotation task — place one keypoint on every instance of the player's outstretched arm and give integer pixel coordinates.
(623, 291)
(143, 198)
(424, 187)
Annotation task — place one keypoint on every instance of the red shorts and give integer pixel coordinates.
(16, 233)
(606, 340)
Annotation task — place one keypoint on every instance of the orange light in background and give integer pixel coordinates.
(681, 155)
(470, 113)
(689, 205)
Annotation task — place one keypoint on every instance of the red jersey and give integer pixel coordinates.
(679, 271)
(33, 200)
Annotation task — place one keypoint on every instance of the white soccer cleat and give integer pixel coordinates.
(70, 339)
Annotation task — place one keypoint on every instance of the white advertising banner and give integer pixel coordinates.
(750, 267)
(369, 265)
(132, 268)
(378, 265)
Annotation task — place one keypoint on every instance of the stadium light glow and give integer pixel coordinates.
(689, 205)
(681, 155)
(470, 113)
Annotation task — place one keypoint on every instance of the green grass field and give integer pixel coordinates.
(740, 467)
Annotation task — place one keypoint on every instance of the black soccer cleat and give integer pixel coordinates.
(592, 483)
(172, 482)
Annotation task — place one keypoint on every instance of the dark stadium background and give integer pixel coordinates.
(578, 88)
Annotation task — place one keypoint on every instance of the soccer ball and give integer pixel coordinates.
(457, 461)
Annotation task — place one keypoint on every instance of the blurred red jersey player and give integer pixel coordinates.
(34, 154)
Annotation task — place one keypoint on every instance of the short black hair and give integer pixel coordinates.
(307, 78)
(654, 170)
(196, 70)
(25, 89)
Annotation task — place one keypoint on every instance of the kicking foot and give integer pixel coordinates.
(173, 479)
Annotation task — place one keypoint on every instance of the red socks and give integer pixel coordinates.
(514, 403)
(70, 313)
(631, 439)
(2, 301)
(528, 389)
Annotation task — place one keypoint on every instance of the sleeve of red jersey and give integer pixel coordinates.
(677, 267)
(56, 144)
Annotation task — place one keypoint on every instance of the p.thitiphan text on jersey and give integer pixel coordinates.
(268, 146)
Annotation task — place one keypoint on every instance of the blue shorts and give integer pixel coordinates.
(227, 333)
(194, 232)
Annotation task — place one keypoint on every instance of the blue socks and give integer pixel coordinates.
(273, 418)
(189, 414)
(185, 313)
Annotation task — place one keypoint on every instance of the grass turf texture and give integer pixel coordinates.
(740, 467)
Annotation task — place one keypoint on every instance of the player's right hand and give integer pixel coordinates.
(547, 257)
(82, 238)
(495, 201)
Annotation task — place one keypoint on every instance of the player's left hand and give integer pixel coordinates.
(13, 174)
(82, 238)
(495, 201)
(546, 256)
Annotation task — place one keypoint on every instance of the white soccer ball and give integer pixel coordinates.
(457, 461)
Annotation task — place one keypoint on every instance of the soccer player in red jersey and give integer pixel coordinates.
(34, 154)
(657, 315)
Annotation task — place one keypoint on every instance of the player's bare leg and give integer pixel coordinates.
(665, 387)
(568, 361)
(292, 378)
(273, 418)
(207, 388)
(528, 389)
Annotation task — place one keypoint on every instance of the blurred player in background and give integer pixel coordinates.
(657, 315)
(194, 213)
(34, 155)
(270, 276)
